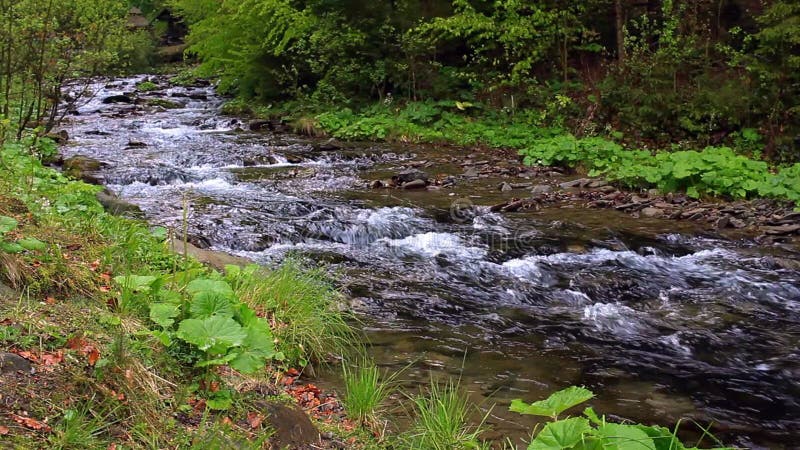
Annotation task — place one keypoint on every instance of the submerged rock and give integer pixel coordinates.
(118, 207)
(83, 168)
(409, 176)
(122, 98)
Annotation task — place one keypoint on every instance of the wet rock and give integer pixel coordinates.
(13, 363)
(118, 207)
(472, 173)
(197, 96)
(415, 184)
(540, 189)
(122, 98)
(329, 145)
(376, 184)
(652, 212)
(505, 187)
(723, 222)
(83, 168)
(217, 260)
(780, 230)
(292, 427)
(258, 125)
(580, 182)
(597, 184)
(737, 223)
(294, 159)
(60, 137)
(163, 103)
(136, 144)
(409, 176)
(775, 262)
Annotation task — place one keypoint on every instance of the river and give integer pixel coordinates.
(661, 319)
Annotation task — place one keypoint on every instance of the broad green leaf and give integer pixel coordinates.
(7, 224)
(214, 335)
(32, 244)
(617, 436)
(164, 314)
(11, 247)
(692, 192)
(554, 405)
(136, 283)
(561, 434)
(221, 361)
(164, 337)
(205, 285)
(159, 233)
(258, 347)
(207, 304)
(220, 402)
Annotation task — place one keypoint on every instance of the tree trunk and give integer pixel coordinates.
(620, 26)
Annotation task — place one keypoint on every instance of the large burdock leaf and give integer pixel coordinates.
(32, 244)
(257, 348)
(7, 224)
(554, 405)
(562, 434)
(617, 436)
(206, 304)
(214, 334)
(211, 286)
(164, 314)
(136, 283)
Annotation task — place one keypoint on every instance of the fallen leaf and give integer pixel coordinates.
(105, 289)
(227, 421)
(4, 430)
(254, 419)
(50, 300)
(112, 446)
(94, 356)
(76, 343)
(105, 276)
(29, 356)
(31, 423)
(52, 359)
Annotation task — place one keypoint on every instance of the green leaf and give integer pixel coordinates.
(617, 436)
(205, 285)
(164, 337)
(164, 314)
(32, 244)
(221, 361)
(207, 304)
(136, 283)
(561, 434)
(257, 349)
(215, 334)
(7, 224)
(222, 400)
(160, 233)
(554, 405)
(11, 247)
(692, 192)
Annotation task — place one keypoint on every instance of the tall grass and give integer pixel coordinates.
(309, 322)
(442, 421)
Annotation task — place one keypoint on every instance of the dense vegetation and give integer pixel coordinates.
(691, 73)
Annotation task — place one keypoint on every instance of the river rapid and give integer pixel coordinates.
(662, 320)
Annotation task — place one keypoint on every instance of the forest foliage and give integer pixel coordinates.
(661, 71)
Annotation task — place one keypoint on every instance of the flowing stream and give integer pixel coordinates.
(661, 320)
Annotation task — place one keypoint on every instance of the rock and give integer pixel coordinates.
(217, 260)
(136, 144)
(60, 137)
(597, 184)
(408, 176)
(118, 207)
(7, 293)
(472, 173)
(197, 96)
(540, 189)
(122, 98)
(13, 363)
(292, 427)
(652, 212)
(83, 168)
(376, 184)
(505, 187)
(293, 159)
(163, 103)
(737, 223)
(415, 184)
(521, 185)
(329, 145)
(780, 230)
(580, 182)
(775, 262)
(723, 222)
(258, 125)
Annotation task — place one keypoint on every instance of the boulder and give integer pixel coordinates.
(83, 168)
(59, 137)
(409, 176)
(291, 425)
(118, 207)
(652, 212)
(540, 189)
(217, 260)
(415, 184)
(329, 145)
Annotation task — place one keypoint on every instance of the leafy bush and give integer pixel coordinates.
(590, 431)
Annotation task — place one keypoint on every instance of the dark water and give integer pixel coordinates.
(660, 320)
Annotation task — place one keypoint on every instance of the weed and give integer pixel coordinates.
(366, 392)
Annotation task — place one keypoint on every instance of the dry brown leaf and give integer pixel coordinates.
(4, 430)
(254, 419)
(33, 424)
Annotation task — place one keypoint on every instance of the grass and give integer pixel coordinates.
(309, 322)
(444, 420)
(366, 393)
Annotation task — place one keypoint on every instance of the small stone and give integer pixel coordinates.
(376, 184)
(723, 222)
(597, 184)
(780, 230)
(471, 173)
(652, 212)
(737, 223)
(505, 187)
(540, 189)
(416, 184)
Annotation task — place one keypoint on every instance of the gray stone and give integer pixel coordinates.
(12, 363)
(217, 260)
(118, 207)
(597, 184)
(83, 168)
(292, 427)
(416, 184)
(472, 173)
(505, 187)
(652, 212)
(409, 176)
(540, 189)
